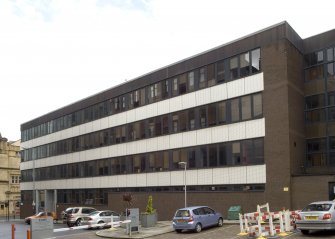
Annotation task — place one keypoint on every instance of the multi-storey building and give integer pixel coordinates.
(252, 119)
(9, 178)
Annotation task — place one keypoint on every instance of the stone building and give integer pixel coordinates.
(9, 177)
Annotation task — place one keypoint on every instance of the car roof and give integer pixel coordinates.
(191, 208)
(320, 202)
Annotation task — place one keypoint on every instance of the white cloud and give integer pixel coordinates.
(53, 53)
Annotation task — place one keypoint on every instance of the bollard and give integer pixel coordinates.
(13, 231)
(28, 234)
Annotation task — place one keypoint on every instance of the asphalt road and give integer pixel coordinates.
(225, 232)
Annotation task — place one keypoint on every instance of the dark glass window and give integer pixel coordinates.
(316, 155)
(244, 64)
(236, 153)
(314, 58)
(203, 156)
(203, 117)
(315, 101)
(191, 158)
(211, 75)
(330, 71)
(315, 116)
(212, 115)
(257, 105)
(222, 113)
(233, 68)
(175, 89)
(330, 54)
(314, 73)
(256, 61)
(212, 155)
(165, 89)
(202, 78)
(190, 81)
(191, 119)
(235, 110)
(220, 72)
(222, 154)
(246, 107)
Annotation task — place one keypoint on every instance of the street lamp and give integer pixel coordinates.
(185, 166)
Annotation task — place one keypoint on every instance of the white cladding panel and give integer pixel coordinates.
(235, 88)
(254, 83)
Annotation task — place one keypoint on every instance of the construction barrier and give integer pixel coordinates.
(261, 223)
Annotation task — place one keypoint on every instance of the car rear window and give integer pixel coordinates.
(317, 207)
(182, 213)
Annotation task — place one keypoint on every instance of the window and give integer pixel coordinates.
(235, 110)
(203, 117)
(314, 73)
(222, 114)
(330, 71)
(330, 54)
(212, 115)
(256, 61)
(203, 156)
(220, 72)
(202, 78)
(236, 153)
(211, 75)
(190, 80)
(315, 116)
(191, 119)
(316, 155)
(222, 154)
(233, 68)
(315, 101)
(212, 155)
(165, 89)
(175, 90)
(246, 107)
(257, 105)
(182, 84)
(244, 64)
(314, 58)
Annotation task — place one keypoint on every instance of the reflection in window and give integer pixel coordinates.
(314, 73)
(233, 68)
(314, 101)
(220, 72)
(236, 153)
(190, 80)
(244, 64)
(222, 114)
(246, 107)
(330, 71)
(330, 54)
(211, 75)
(235, 110)
(202, 78)
(256, 61)
(315, 116)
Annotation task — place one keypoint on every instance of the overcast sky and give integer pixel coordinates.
(54, 53)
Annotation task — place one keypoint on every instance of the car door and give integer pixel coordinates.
(210, 216)
(202, 218)
(106, 216)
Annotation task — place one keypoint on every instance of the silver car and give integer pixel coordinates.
(196, 218)
(316, 216)
(100, 217)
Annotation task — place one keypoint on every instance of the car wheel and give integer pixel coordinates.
(198, 228)
(78, 222)
(178, 230)
(101, 227)
(220, 222)
(305, 232)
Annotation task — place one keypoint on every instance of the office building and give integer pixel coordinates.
(252, 119)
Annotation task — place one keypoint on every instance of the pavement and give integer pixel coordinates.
(161, 227)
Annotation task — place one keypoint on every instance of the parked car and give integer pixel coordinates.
(77, 214)
(99, 217)
(196, 218)
(42, 215)
(316, 216)
(65, 213)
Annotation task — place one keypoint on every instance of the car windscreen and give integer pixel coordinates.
(94, 213)
(182, 213)
(317, 207)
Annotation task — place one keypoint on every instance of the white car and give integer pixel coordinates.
(316, 216)
(100, 217)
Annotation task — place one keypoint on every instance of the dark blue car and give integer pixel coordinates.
(196, 218)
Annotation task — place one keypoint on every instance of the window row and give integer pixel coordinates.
(229, 69)
(245, 152)
(320, 72)
(319, 57)
(319, 100)
(224, 112)
(320, 115)
(320, 152)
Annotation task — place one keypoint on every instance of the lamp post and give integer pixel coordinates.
(185, 166)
